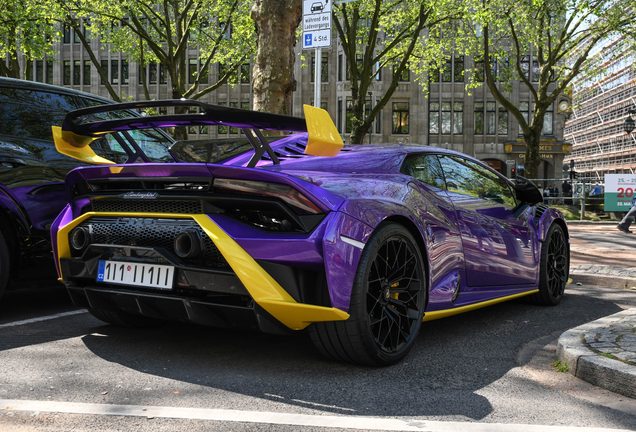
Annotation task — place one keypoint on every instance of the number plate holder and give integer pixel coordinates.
(136, 274)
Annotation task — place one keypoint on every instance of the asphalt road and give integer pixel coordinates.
(488, 366)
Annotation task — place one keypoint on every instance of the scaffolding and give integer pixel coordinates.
(595, 129)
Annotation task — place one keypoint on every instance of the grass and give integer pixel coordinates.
(610, 356)
(561, 366)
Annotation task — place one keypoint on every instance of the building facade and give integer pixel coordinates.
(595, 128)
(448, 117)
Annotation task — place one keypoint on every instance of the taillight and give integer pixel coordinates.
(290, 196)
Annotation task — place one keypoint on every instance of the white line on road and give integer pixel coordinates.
(348, 422)
(44, 318)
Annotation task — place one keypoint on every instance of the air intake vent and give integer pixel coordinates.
(147, 206)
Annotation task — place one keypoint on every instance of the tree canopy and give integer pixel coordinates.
(556, 40)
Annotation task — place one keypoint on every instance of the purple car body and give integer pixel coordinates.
(478, 243)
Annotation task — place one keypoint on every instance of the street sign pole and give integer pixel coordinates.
(318, 77)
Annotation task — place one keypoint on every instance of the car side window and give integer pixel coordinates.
(470, 178)
(31, 113)
(425, 168)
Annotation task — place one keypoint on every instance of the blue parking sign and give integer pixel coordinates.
(307, 39)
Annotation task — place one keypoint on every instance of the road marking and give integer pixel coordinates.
(44, 318)
(348, 422)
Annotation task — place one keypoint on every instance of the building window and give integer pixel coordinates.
(222, 128)
(104, 64)
(378, 72)
(114, 71)
(87, 33)
(447, 71)
(400, 117)
(433, 118)
(324, 69)
(525, 66)
(152, 73)
(66, 72)
(339, 67)
(349, 118)
(433, 76)
(203, 130)
(49, 71)
(491, 121)
(67, 34)
(77, 72)
(141, 73)
(234, 130)
(39, 70)
(162, 74)
(124, 71)
(523, 109)
(459, 69)
(479, 69)
(458, 118)
(446, 118)
(493, 68)
(87, 72)
(547, 121)
(76, 38)
(339, 116)
(192, 71)
(479, 118)
(536, 72)
(502, 126)
(378, 119)
(405, 76)
(246, 74)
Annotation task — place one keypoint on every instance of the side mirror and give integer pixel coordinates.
(527, 192)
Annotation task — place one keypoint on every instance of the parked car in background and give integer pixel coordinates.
(358, 245)
(32, 171)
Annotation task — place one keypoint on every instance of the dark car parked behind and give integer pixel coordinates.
(32, 172)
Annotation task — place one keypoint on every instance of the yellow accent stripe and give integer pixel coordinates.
(77, 146)
(262, 287)
(430, 316)
(323, 136)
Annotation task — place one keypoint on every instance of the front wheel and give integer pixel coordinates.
(387, 303)
(554, 268)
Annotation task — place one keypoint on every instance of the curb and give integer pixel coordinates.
(603, 280)
(583, 363)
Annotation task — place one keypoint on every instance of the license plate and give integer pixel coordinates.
(138, 274)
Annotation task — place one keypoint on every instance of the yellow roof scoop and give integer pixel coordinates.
(324, 139)
(77, 146)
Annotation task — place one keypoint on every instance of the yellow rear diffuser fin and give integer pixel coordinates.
(77, 146)
(324, 139)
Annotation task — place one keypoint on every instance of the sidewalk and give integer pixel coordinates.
(603, 352)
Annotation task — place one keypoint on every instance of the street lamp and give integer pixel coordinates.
(628, 126)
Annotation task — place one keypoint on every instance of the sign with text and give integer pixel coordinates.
(619, 190)
(316, 23)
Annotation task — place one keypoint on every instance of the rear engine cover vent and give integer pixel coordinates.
(147, 206)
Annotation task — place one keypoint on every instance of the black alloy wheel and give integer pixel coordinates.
(555, 268)
(387, 303)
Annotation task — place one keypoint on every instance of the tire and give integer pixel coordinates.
(124, 319)
(387, 303)
(554, 268)
(5, 264)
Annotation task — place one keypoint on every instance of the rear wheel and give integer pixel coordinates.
(555, 268)
(124, 319)
(5, 264)
(387, 303)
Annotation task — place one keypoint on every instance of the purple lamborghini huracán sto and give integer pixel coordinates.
(359, 244)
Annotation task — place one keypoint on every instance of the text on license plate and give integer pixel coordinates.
(147, 275)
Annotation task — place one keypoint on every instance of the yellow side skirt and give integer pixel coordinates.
(430, 316)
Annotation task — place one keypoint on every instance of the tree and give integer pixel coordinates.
(162, 32)
(273, 79)
(27, 27)
(561, 35)
(401, 34)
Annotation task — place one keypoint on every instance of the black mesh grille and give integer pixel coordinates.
(147, 206)
(151, 232)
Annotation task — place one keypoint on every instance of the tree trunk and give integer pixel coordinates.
(532, 160)
(273, 80)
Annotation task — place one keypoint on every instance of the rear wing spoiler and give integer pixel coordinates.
(77, 131)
